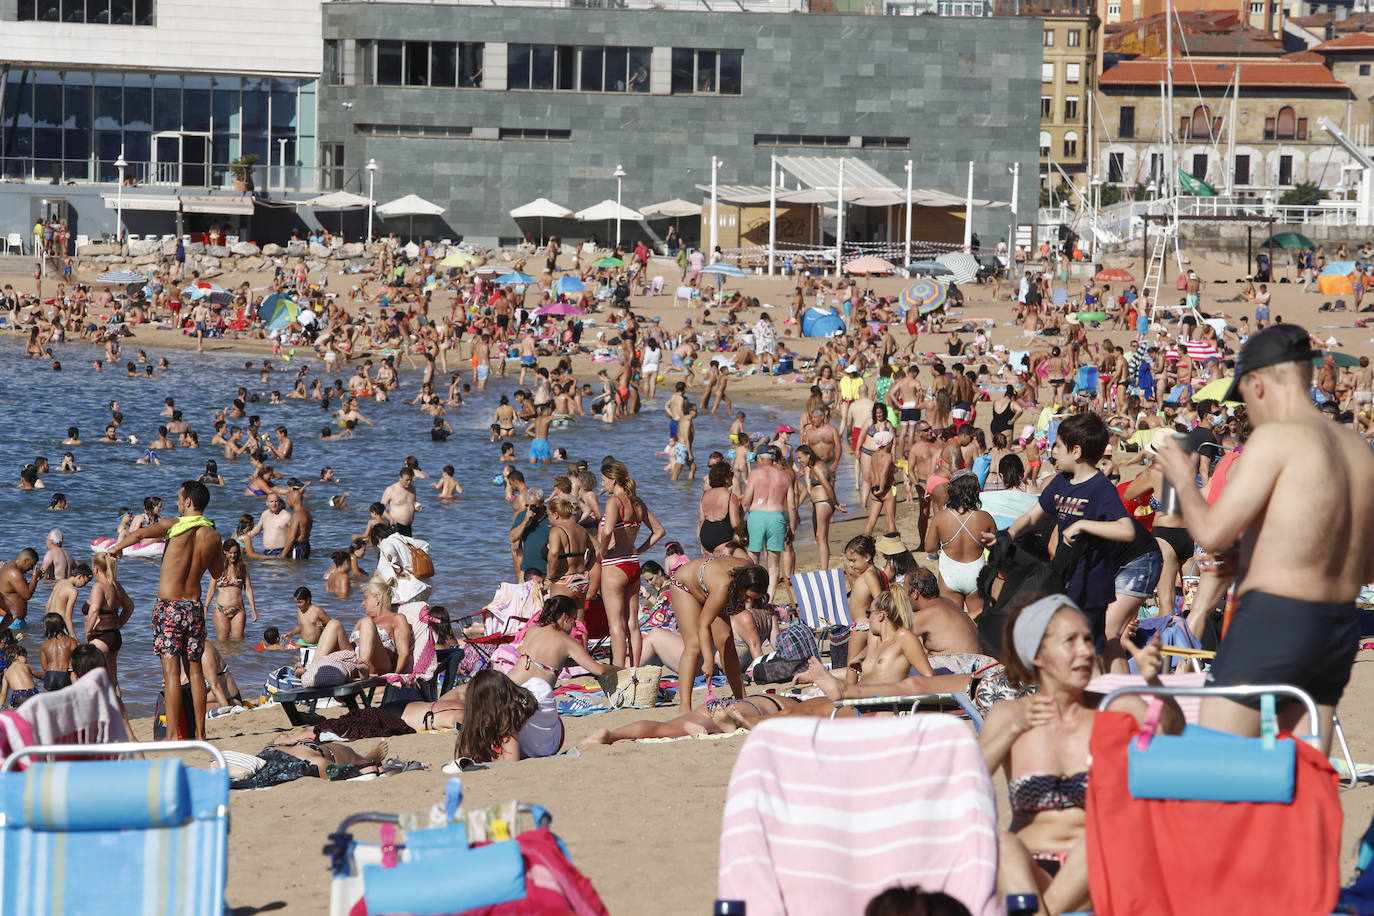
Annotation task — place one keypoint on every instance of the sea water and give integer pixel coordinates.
(468, 537)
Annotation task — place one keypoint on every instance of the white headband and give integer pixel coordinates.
(1032, 623)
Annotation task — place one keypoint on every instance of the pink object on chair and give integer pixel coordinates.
(809, 829)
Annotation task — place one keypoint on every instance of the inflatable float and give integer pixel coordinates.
(140, 549)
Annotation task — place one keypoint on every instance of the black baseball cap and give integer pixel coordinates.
(1279, 343)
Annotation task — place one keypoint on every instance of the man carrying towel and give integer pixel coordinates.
(193, 548)
(1300, 502)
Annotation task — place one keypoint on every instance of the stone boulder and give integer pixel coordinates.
(95, 249)
(251, 265)
(217, 251)
(111, 259)
(273, 250)
(244, 249)
(208, 273)
(297, 249)
(318, 251)
(145, 259)
(208, 261)
(315, 266)
(143, 246)
(352, 250)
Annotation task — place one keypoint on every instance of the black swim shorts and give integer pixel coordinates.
(1278, 640)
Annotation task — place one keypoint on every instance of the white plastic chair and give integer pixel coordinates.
(656, 286)
(81, 242)
(685, 293)
(12, 241)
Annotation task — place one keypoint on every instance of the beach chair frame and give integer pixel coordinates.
(910, 704)
(1245, 690)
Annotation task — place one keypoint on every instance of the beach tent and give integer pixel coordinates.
(1337, 279)
(277, 311)
(821, 322)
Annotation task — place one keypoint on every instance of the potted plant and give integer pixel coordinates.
(242, 170)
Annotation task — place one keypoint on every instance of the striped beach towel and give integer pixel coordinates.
(823, 815)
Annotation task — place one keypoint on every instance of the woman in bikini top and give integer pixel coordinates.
(625, 515)
(705, 594)
(227, 594)
(568, 552)
(547, 645)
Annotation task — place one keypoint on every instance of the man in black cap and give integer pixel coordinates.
(1300, 501)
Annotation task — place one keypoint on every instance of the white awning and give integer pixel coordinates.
(141, 202)
(539, 208)
(219, 205)
(336, 200)
(410, 205)
(824, 172)
(607, 210)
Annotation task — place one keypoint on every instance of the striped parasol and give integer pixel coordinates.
(925, 295)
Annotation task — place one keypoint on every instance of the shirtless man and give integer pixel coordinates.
(943, 626)
(687, 434)
(15, 590)
(905, 396)
(858, 413)
(65, 593)
(920, 465)
(399, 499)
(1301, 504)
(721, 380)
(56, 561)
(193, 549)
(771, 504)
(297, 545)
(824, 440)
(1326, 377)
(481, 360)
(272, 525)
(178, 424)
(284, 445)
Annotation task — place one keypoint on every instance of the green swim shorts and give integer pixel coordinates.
(767, 530)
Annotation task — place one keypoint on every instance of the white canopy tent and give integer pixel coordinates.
(412, 205)
(675, 209)
(340, 200)
(610, 211)
(541, 208)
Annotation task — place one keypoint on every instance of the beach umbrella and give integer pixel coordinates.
(725, 269)
(821, 322)
(925, 296)
(608, 262)
(458, 259)
(123, 277)
(339, 200)
(559, 308)
(1114, 275)
(492, 270)
(202, 289)
(868, 264)
(412, 205)
(1343, 360)
(514, 278)
(1214, 391)
(539, 208)
(675, 208)
(1289, 240)
(277, 311)
(929, 269)
(568, 285)
(962, 265)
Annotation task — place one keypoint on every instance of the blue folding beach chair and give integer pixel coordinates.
(823, 607)
(146, 837)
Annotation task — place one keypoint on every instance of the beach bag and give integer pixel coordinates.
(421, 566)
(797, 643)
(774, 669)
(839, 646)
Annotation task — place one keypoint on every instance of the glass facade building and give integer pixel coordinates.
(173, 129)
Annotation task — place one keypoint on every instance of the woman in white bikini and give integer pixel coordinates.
(379, 644)
(955, 531)
(231, 588)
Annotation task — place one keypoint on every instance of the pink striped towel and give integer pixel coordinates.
(1106, 683)
(823, 815)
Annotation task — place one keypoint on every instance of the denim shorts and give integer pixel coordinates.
(1138, 578)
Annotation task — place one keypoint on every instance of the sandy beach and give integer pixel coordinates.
(641, 819)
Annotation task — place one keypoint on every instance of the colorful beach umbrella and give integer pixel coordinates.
(559, 308)
(489, 270)
(868, 264)
(925, 296)
(277, 311)
(608, 262)
(514, 278)
(1114, 275)
(122, 277)
(568, 285)
(725, 269)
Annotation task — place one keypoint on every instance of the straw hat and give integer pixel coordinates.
(890, 545)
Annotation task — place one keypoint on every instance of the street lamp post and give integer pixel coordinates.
(715, 166)
(120, 165)
(371, 177)
(1097, 207)
(619, 179)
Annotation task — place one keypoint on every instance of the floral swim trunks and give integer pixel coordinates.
(179, 628)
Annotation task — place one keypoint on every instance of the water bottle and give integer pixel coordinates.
(1023, 904)
(1168, 496)
(727, 908)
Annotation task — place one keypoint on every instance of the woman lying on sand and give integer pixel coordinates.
(507, 722)
(712, 718)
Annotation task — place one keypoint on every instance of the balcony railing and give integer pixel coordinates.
(180, 174)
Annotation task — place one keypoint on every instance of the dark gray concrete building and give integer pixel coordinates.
(482, 109)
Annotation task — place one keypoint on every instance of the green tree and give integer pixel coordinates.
(1062, 195)
(1111, 194)
(1302, 194)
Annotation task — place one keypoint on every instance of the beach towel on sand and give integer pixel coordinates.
(808, 829)
(1241, 858)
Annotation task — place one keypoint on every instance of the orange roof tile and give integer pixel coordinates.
(1295, 74)
(1355, 41)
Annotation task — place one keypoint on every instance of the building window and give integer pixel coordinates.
(91, 12)
(886, 143)
(1285, 126)
(1285, 170)
(1125, 124)
(1257, 9)
(1116, 167)
(1070, 108)
(1049, 38)
(440, 64)
(1046, 107)
(1364, 69)
(1044, 144)
(1200, 166)
(1047, 72)
(1156, 167)
(540, 67)
(1242, 175)
(613, 69)
(1071, 72)
(332, 71)
(534, 133)
(428, 132)
(698, 72)
(1071, 144)
(818, 140)
(1113, 9)
(332, 166)
(1075, 37)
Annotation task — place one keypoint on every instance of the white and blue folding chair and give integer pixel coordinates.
(821, 599)
(146, 837)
